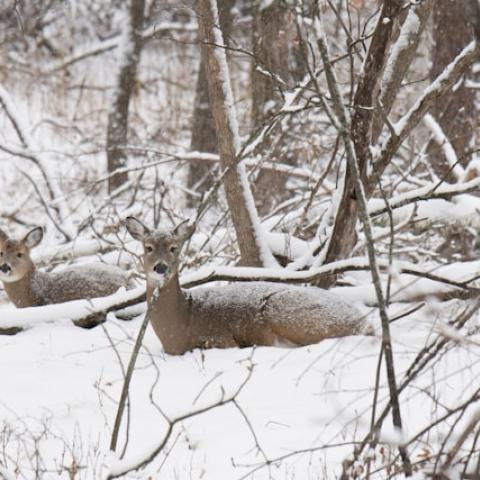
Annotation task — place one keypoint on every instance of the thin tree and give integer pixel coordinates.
(203, 127)
(253, 248)
(277, 64)
(117, 129)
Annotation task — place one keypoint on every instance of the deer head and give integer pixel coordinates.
(15, 261)
(161, 248)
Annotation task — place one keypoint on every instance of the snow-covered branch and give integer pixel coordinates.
(400, 59)
(410, 120)
(83, 313)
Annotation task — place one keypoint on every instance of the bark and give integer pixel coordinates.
(454, 112)
(472, 15)
(436, 90)
(277, 65)
(117, 129)
(400, 61)
(367, 228)
(343, 236)
(253, 249)
(271, 46)
(203, 126)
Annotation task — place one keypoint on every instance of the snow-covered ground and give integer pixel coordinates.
(60, 388)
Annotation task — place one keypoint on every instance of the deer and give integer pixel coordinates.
(240, 314)
(25, 286)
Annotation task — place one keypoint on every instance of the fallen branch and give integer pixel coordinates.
(254, 274)
(429, 192)
(410, 120)
(83, 313)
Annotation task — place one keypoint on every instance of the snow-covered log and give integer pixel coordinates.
(83, 313)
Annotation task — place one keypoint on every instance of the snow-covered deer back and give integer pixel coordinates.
(27, 287)
(237, 315)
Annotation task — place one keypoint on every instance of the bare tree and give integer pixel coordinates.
(277, 63)
(343, 236)
(203, 127)
(253, 248)
(117, 130)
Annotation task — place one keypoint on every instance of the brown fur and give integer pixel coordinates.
(237, 315)
(27, 287)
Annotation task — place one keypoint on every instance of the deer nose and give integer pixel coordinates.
(160, 268)
(5, 268)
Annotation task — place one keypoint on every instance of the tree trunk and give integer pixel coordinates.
(277, 64)
(253, 248)
(343, 235)
(117, 129)
(399, 62)
(455, 111)
(203, 127)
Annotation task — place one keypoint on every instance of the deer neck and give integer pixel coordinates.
(168, 312)
(21, 292)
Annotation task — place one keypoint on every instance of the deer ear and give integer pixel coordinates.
(33, 237)
(3, 236)
(183, 230)
(136, 228)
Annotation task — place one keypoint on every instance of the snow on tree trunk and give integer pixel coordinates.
(400, 60)
(253, 247)
(203, 126)
(117, 129)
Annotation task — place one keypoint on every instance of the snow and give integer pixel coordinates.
(63, 312)
(408, 32)
(403, 122)
(461, 208)
(445, 144)
(68, 380)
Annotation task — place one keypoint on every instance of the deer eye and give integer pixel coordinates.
(19, 255)
(172, 248)
(149, 249)
(1, 254)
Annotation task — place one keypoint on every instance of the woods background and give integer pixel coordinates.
(334, 143)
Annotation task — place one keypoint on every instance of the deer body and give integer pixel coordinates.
(28, 287)
(248, 313)
(237, 315)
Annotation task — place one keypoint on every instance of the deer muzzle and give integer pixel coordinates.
(160, 268)
(5, 268)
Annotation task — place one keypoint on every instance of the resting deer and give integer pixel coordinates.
(27, 287)
(237, 315)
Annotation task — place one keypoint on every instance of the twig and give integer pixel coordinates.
(364, 216)
(171, 425)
